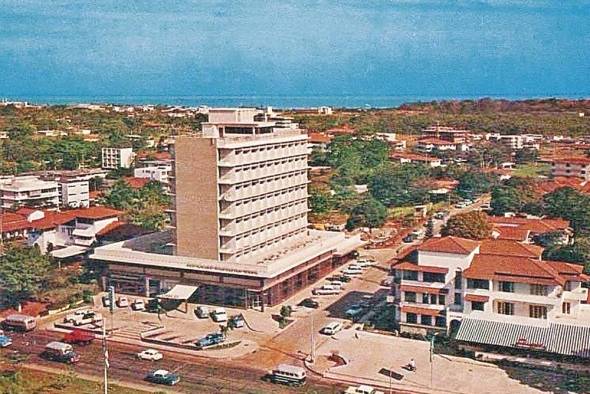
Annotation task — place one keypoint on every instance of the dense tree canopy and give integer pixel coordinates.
(369, 213)
(398, 185)
(472, 225)
(22, 273)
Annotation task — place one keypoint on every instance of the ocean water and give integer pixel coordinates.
(275, 101)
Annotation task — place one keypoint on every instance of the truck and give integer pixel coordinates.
(362, 389)
(84, 316)
(61, 352)
(79, 337)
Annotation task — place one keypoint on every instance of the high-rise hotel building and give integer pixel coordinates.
(245, 178)
(239, 222)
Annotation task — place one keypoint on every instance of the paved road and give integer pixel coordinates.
(198, 374)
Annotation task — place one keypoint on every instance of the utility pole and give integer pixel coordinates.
(105, 352)
(312, 352)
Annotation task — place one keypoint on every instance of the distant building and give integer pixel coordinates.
(160, 173)
(409, 158)
(429, 145)
(319, 141)
(74, 193)
(113, 158)
(29, 191)
(447, 134)
(571, 167)
(513, 141)
(52, 133)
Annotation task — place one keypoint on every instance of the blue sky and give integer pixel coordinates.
(444, 48)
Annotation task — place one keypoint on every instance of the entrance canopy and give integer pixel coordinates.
(179, 292)
(68, 251)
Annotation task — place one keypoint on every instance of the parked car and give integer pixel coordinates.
(365, 261)
(237, 321)
(161, 376)
(342, 278)
(352, 271)
(356, 266)
(79, 337)
(332, 328)
(337, 283)
(61, 352)
(202, 312)
(439, 215)
(122, 302)
(418, 233)
(84, 316)
(362, 389)
(326, 290)
(409, 238)
(353, 311)
(387, 282)
(138, 305)
(210, 340)
(219, 315)
(150, 354)
(5, 341)
(310, 303)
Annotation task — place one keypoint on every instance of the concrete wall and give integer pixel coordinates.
(196, 198)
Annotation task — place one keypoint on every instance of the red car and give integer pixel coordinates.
(79, 337)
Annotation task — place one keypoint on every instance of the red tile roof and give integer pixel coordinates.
(450, 244)
(14, 222)
(407, 266)
(512, 233)
(435, 141)
(572, 160)
(476, 298)
(53, 219)
(535, 226)
(413, 156)
(523, 270)
(96, 212)
(147, 155)
(509, 248)
(319, 138)
(136, 183)
(421, 311)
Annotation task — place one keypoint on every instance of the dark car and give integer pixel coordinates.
(310, 303)
(354, 312)
(341, 278)
(161, 376)
(409, 238)
(210, 340)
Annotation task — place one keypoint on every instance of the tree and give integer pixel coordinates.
(369, 213)
(399, 185)
(569, 204)
(516, 195)
(23, 270)
(579, 252)
(473, 225)
(474, 183)
(319, 200)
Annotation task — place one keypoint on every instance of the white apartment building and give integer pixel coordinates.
(160, 173)
(512, 141)
(74, 193)
(573, 166)
(28, 191)
(113, 158)
(453, 280)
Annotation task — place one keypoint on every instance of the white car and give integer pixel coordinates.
(138, 305)
(365, 262)
(123, 302)
(219, 315)
(86, 316)
(337, 283)
(350, 271)
(332, 328)
(150, 354)
(326, 290)
(362, 389)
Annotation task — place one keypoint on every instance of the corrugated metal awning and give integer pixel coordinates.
(566, 339)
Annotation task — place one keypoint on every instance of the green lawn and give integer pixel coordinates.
(532, 170)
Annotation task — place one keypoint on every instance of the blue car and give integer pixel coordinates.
(210, 340)
(5, 341)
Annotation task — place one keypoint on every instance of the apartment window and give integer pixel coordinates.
(476, 306)
(410, 296)
(426, 320)
(441, 299)
(411, 318)
(425, 298)
(568, 286)
(566, 308)
(410, 275)
(432, 277)
(505, 308)
(478, 284)
(458, 299)
(441, 321)
(506, 287)
(538, 312)
(540, 290)
(458, 279)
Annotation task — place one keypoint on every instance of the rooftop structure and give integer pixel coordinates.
(28, 191)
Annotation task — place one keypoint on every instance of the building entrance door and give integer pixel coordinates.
(254, 301)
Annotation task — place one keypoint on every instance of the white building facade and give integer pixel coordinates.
(29, 191)
(113, 158)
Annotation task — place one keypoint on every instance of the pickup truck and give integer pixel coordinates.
(79, 337)
(83, 317)
(362, 389)
(210, 340)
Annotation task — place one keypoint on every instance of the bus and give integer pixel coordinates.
(289, 375)
(19, 323)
